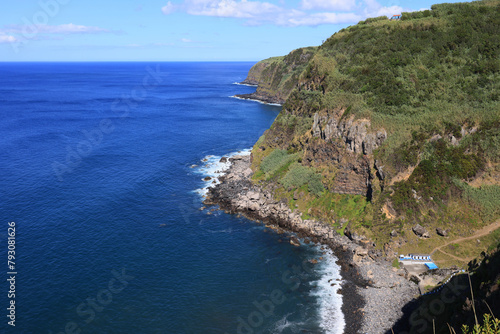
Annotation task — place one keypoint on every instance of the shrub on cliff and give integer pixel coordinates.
(299, 175)
(277, 162)
(273, 161)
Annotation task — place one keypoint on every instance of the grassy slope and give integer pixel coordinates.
(433, 73)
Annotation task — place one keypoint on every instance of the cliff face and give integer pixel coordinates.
(368, 115)
(276, 77)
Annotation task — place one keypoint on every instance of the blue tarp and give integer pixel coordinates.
(431, 265)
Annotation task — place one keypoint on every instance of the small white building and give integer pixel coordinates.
(413, 260)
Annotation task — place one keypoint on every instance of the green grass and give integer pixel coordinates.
(299, 175)
(485, 199)
(277, 163)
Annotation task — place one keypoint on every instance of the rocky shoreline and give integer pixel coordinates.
(374, 292)
(260, 98)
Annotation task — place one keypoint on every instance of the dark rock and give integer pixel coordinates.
(236, 158)
(414, 279)
(441, 232)
(208, 178)
(353, 235)
(420, 231)
(380, 171)
(394, 233)
(223, 160)
(294, 241)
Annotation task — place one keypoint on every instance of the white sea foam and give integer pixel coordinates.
(244, 84)
(227, 230)
(330, 302)
(255, 100)
(211, 166)
(284, 323)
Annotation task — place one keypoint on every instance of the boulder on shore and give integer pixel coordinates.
(294, 241)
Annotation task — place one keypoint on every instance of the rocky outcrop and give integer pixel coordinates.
(353, 174)
(347, 145)
(354, 133)
(442, 232)
(420, 231)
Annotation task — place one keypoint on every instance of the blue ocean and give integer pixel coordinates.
(101, 170)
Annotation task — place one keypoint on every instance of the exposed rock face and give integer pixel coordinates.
(346, 144)
(354, 133)
(420, 231)
(380, 170)
(353, 235)
(353, 171)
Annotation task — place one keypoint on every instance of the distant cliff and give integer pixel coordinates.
(276, 77)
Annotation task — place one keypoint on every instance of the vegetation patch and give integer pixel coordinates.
(299, 175)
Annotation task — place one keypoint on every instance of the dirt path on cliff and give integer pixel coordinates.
(478, 234)
(454, 257)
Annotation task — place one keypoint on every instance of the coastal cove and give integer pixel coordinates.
(130, 208)
(374, 292)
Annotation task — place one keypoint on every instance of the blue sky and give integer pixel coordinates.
(177, 30)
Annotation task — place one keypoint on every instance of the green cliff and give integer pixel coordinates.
(390, 124)
(276, 77)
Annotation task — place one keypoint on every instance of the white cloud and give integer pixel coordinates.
(163, 44)
(340, 5)
(230, 8)
(169, 8)
(324, 18)
(69, 28)
(373, 9)
(186, 40)
(7, 38)
(259, 12)
(387, 11)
